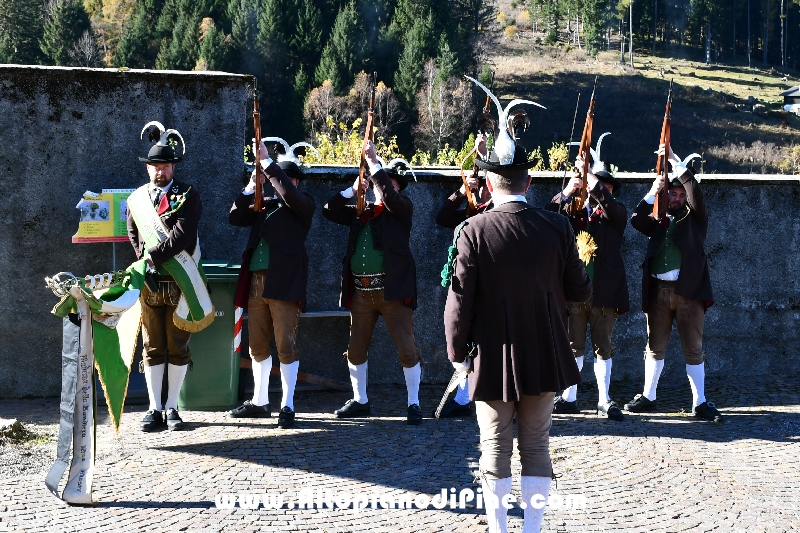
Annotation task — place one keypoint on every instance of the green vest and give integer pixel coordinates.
(366, 259)
(669, 255)
(260, 258)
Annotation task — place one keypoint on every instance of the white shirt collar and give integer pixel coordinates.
(164, 188)
(500, 199)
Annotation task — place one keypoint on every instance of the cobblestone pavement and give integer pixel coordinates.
(661, 472)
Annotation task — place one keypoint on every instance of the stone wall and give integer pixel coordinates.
(69, 130)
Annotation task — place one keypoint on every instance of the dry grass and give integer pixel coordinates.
(763, 158)
(711, 110)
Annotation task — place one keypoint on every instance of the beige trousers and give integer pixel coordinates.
(495, 421)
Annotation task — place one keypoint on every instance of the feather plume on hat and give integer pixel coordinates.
(156, 132)
(505, 143)
(286, 152)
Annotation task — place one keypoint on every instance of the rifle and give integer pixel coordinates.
(576, 207)
(485, 122)
(360, 200)
(257, 148)
(662, 166)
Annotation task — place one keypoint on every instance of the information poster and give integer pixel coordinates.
(103, 216)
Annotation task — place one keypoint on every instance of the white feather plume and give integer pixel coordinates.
(504, 145)
(307, 145)
(288, 156)
(164, 134)
(393, 163)
(596, 151)
(690, 157)
(164, 141)
(152, 123)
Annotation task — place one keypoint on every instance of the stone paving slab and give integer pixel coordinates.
(660, 472)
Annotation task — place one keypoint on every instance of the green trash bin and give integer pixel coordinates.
(213, 382)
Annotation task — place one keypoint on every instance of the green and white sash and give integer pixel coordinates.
(195, 310)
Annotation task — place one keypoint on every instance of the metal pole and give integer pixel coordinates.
(631, 29)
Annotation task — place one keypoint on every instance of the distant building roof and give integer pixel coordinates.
(794, 91)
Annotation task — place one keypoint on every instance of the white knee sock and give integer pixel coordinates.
(288, 381)
(175, 375)
(154, 376)
(412, 383)
(571, 394)
(496, 513)
(697, 380)
(261, 372)
(652, 371)
(531, 486)
(602, 371)
(358, 378)
(462, 392)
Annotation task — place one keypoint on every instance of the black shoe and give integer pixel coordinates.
(153, 421)
(610, 411)
(352, 409)
(563, 407)
(286, 418)
(414, 416)
(640, 404)
(453, 409)
(250, 410)
(707, 411)
(174, 420)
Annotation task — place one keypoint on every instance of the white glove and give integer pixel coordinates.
(462, 366)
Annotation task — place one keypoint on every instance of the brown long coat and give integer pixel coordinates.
(285, 232)
(516, 268)
(691, 227)
(610, 285)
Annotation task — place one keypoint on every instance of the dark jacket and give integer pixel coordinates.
(391, 233)
(450, 216)
(181, 223)
(610, 285)
(691, 227)
(516, 269)
(284, 231)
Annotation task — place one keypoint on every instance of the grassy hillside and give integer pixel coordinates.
(712, 106)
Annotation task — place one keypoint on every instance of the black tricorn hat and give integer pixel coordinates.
(160, 154)
(520, 161)
(291, 169)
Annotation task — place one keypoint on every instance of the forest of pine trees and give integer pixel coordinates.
(419, 48)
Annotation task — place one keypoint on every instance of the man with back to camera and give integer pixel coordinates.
(516, 268)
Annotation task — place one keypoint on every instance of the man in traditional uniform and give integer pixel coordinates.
(515, 270)
(378, 279)
(450, 216)
(171, 209)
(676, 285)
(273, 278)
(603, 219)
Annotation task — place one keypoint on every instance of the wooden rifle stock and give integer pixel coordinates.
(576, 207)
(472, 203)
(259, 194)
(362, 174)
(662, 163)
